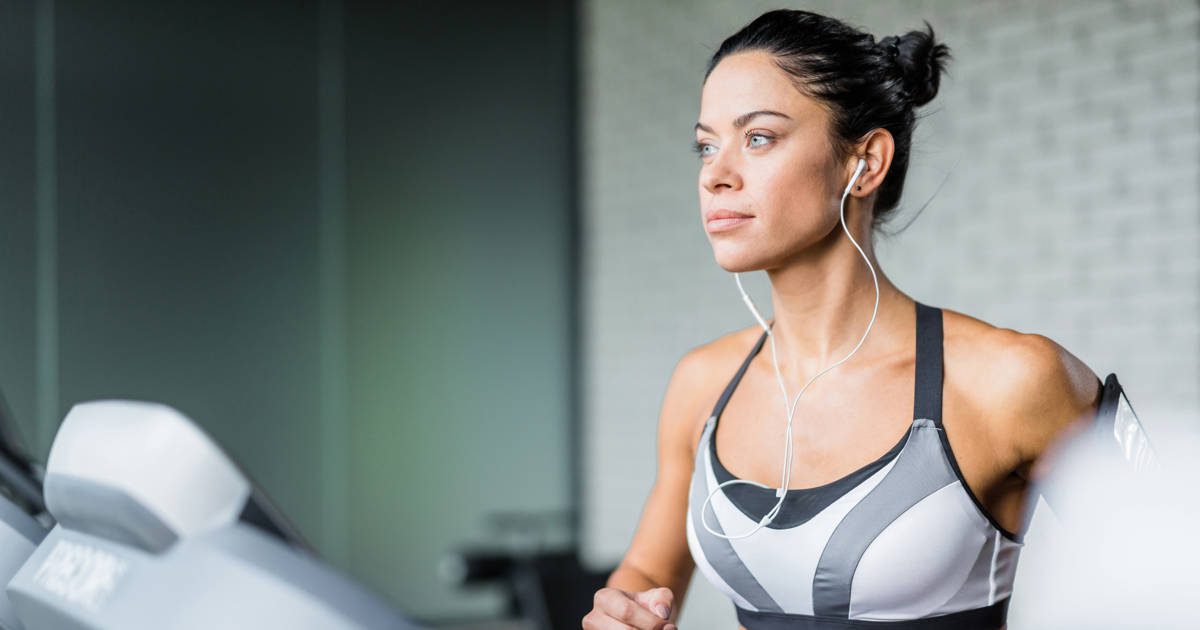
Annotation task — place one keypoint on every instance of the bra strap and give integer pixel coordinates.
(927, 400)
(737, 378)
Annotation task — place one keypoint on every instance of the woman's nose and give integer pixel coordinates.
(720, 172)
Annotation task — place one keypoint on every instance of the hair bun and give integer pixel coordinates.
(921, 61)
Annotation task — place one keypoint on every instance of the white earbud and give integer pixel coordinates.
(781, 491)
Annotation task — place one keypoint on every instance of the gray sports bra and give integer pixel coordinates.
(899, 543)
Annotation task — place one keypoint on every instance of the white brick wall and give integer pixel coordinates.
(1066, 136)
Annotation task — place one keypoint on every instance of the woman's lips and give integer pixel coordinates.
(722, 225)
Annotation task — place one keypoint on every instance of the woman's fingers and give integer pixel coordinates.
(617, 610)
(660, 600)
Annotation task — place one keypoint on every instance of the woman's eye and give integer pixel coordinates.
(752, 136)
(701, 148)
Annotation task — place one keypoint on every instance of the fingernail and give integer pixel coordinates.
(671, 627)
(663, 611)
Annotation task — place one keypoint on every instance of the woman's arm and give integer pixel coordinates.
(1049, 395)
(658, 555)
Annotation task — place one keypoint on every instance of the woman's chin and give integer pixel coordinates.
(737, 263)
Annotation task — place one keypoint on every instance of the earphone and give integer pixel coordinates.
(781, 491)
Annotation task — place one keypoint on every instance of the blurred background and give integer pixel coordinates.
(424, 268)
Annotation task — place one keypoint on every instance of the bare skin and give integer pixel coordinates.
(1007, 395)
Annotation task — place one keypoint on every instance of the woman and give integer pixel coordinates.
(906, 469)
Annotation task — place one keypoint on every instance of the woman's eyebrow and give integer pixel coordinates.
(744, 119)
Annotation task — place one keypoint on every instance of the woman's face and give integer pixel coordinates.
(777, 167)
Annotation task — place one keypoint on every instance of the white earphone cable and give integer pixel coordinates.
(781, 491)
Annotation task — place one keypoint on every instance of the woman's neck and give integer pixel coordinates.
(822, 307)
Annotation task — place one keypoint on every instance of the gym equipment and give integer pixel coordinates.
(20, 506)
(158, 528)
(545, 586)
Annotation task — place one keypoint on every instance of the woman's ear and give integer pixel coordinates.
(877, 149)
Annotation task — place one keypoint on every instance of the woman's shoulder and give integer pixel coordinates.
(712, 359)
(1011, 361)
(1028, 387)
(703, 371)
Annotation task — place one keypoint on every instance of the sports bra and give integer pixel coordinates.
(899, 543)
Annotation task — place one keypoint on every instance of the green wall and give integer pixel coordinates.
(337, 237)
(18, 244)
(458, 210)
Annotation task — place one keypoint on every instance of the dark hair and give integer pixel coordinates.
(864, 84)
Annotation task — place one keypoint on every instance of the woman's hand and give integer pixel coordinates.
(615, 609)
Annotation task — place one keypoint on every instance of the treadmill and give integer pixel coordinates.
(158, 528)
(23, 518)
